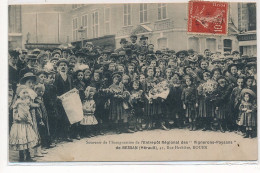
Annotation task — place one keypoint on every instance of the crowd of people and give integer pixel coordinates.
(129, 89)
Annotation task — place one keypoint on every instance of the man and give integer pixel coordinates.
(133, 45)
(207, 54)
(63, 84)
(124, 45)
(144, 44)
(31, 65)
(21, 60)
(182, 58)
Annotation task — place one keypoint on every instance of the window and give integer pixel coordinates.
(14, 19)
(211, 44)
(252, 16)
(75, 29)
(162, 43)
(107, 21)
(95, 24)
(249, 50)
(143, 13)
(84, 24)
(127, 14)
(227, 45)
(161, 11)
(194, 43)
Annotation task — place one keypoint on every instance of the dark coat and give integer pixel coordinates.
(61, 85)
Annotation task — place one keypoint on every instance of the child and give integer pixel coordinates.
(190, 102)
(87, 77)
(235, 100)
(50, 102)
(79, 84)
(248, 112)
(206, 100)
(222, 104)
(42, 116)
(174, 104)
(116, 113)
(89, 108)
(131, 71)
(137, 103)
(29, 80)
(41, 77)
(22, 135)
(150, 105)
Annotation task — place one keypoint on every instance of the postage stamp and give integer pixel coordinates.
(208, 17)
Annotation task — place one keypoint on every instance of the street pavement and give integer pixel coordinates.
(172, 145)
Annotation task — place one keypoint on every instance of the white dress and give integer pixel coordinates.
(22, 135)
(89, 108)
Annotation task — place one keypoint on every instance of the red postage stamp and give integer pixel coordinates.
(208, 17)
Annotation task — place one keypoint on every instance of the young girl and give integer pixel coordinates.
(235, 100)
(206, 96)
(248, 112)
(137, 103)
(150, 108)
(79, 84)
(89, 108)
(222, 105)
(116, 114)
(42, 116)
(190, 102)
(22, 135)
(29, 80)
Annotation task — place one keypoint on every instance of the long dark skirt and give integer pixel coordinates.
(206, 108)
(116, 112)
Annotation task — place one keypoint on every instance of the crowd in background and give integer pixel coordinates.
(129, 89)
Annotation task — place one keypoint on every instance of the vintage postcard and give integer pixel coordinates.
(132, 82)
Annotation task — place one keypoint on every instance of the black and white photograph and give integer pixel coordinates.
(132, 82)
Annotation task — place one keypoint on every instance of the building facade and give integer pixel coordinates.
(105, 24)
(14, 26)
(164, 24)
(247, 26)
(44, 26)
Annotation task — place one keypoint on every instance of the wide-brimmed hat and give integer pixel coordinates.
(27, 76)
(250, 64)
(249, 91)
(113, 55)
(133, 35)
(32, 57)
(158, 52)
(123, 40)
(182, 51)
(56, 52)
(62, 60)
(116, 74)
(36, 51)
(232, 65)
(143, 37)
(54, 58)
(24, 51)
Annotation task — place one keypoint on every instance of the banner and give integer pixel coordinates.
(72, 105)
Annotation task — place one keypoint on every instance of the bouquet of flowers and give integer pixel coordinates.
(209, 90)
(161, 90)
